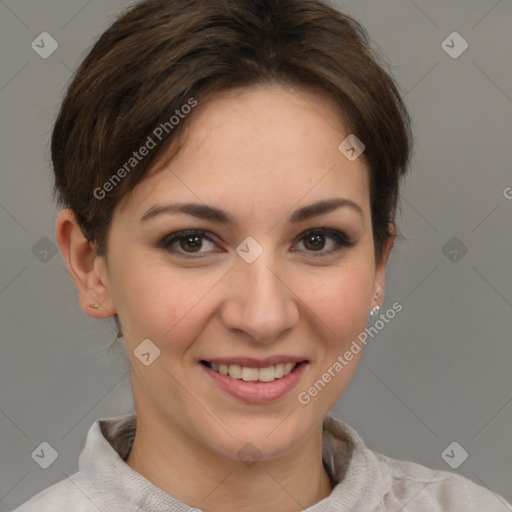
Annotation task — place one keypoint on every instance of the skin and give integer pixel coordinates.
(241, 148)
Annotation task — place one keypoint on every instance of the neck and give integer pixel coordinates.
(184, 469)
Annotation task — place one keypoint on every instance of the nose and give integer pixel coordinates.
(261, 303)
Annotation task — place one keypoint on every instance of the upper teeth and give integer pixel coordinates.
(252, 374)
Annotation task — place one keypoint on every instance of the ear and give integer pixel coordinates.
(380, 269)
(86, 268)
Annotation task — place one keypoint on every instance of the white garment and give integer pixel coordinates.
(366, 481)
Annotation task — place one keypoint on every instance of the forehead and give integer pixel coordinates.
(260, 147)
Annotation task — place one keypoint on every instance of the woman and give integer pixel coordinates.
(229, 173)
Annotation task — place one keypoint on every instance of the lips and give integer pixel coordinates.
(250, 374)
(258, 383)
(251, 362)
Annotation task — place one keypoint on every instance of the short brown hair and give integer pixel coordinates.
(161, 53)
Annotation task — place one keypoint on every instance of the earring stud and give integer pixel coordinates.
(374, 311)
(95, 306)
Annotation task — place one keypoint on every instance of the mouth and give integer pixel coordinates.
(268, 373)
(255, 381)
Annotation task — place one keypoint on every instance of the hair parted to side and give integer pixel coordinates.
(161, 54)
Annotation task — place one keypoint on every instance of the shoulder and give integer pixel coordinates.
(393, 485)
(424, 488)
(58, 497)
(102, 480)
(76, 494)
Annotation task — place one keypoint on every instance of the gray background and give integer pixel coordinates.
(439, 372)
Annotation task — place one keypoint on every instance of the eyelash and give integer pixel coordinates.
(342, 241)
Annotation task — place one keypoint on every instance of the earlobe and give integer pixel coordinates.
(380, 271)
(85, 267)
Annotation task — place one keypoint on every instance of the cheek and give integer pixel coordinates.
(163, 304)
(339, 298)
(340, 304)
(156, 303)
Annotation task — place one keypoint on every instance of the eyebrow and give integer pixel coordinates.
(213, 214)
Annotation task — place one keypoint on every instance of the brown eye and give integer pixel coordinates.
(191, 242)
(183, 243)
(314, 242)
(317, 239)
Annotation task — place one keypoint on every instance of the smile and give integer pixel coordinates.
(247, 374)
(261, 381)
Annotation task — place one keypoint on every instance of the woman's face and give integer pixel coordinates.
(254, 290)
